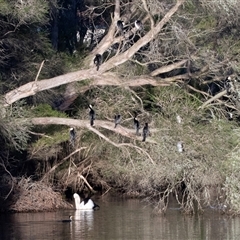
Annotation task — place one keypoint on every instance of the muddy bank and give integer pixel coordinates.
(24, 195)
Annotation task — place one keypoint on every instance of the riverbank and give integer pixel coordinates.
(25, 195)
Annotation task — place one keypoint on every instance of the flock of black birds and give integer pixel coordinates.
(117, 121)
(120, 27)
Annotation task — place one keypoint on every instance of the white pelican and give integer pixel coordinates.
(87, 204)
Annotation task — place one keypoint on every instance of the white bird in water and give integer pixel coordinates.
(86, 204)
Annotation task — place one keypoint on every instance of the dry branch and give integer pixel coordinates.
(168, 68)
(85, 180)
(33, 87)
(217, 96)
(62, 161)
(129, 133)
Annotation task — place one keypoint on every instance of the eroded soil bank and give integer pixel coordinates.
(24, 195)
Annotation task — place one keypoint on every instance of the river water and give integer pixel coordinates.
(118, 219)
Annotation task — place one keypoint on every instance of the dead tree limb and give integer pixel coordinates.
(129, 133)
(217, 96)
(33, 87)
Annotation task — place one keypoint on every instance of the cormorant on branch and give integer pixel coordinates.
(138, 25)
(145, 132)
(98, 60)
(72, 134)
(228, 85)
(120, 25)
(91, 115)
(117, 119)
(136, 124)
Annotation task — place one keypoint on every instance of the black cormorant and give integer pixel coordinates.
(136, 125)
(228, 85)
(145, 132)
(91, 115)
(138, 25)
(98, 60)
(117, 119)
(120, 25)
(72, 134)
(68, 220)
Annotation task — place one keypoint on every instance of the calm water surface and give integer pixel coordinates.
(125, 219)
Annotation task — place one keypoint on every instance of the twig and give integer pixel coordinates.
(1, 164)
(85, 180)
(39, 70)
(217, 96)
(39, 134)
(62, 161)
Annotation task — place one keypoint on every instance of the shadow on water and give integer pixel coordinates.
(119, 219)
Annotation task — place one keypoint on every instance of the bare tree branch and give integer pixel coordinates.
(5, 169)
(217, 96)
(129, 133)
(168, 68)
(32, 88)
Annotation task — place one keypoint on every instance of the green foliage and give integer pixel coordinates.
(57, 136)
(45, 110)
(5, 7)
(30, 11)
(14, 127)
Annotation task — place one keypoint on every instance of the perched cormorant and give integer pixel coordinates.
(72, 134)
(120, 25)
(138, 25)
(117, 119)
(98, 60)
(136, 125)
(68, 220)
(228, 85)
(145, 132)
(230, 116)
(91, 115)
(180, 147)
(86, 204)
